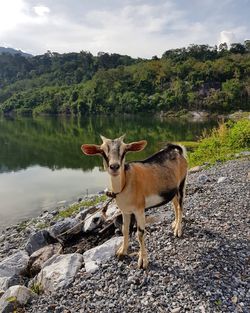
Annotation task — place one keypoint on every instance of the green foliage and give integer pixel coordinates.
(198, 77)
(222, 143)
(75, 208)
(37, 288)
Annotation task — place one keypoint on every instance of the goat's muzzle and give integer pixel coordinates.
(114, 169)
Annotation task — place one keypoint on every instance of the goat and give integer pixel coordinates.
(139, 185)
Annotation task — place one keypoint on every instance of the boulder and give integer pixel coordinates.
(15, 297)
(58, 272)
(92, 221)
(11, 268)
(97, 255)
(112, 211)
(39, 257)
(38, 240)
(69, 225)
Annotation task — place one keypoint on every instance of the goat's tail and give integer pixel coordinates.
(181, 149)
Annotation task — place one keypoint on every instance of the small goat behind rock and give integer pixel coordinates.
(143, 184)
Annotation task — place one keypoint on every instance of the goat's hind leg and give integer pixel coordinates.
(143, 255)
(176, 225)
(123, 249)
(178, 207)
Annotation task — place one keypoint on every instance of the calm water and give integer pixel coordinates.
(41, 164)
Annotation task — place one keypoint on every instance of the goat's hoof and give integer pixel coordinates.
(173, 224)
(121, 252)
(143, 262)
(178, 231)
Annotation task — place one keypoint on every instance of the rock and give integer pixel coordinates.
(11, 268)
(92, 221)
(69, 225)
(195, 169)
(234, 299)
(175, 310)
(14, 297)
(82, 214)
(95, 256)
(112, 211)
(1, 293)
(202, 179)
(39, 257)
(38, 240)
(221, 179)
(59, 272)
(242, 153)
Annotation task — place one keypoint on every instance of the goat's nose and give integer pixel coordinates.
(114, 166)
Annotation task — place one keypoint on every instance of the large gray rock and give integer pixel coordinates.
(97, 255)
(39, 257)
(38, 240)
(92, 221)
(59, 271)
(67, 226)
(15, 297)
(11, 268)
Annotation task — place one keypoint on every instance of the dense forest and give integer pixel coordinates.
(199, 77)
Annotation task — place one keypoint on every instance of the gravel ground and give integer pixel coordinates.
(207, 270)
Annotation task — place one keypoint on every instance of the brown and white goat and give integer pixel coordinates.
(143, 184)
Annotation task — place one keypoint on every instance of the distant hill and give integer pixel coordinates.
(197, 77)
(14, 51)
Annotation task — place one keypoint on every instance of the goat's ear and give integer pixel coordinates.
(91, 149)
(136, 146)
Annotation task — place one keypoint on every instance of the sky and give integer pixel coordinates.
(139, 28)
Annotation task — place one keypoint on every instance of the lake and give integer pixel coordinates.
(42, 166)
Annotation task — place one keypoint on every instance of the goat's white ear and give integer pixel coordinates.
(91, 149)
(136, 146)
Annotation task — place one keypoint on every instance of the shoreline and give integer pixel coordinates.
(212, 253)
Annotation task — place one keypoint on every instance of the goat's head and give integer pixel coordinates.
(113, 152)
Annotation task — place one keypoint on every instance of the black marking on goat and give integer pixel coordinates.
(141, 231)
(105, 157)
(181, 191)
(126, 166)
(167, 195)
(169, 152)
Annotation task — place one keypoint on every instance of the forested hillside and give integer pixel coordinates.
(198, 77)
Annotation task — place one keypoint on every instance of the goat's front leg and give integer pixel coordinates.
(143, 255)
(125, 230)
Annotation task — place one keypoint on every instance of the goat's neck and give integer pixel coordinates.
(118, 182)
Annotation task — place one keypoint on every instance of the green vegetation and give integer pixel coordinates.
(222, 143)
(37, 288)
(198, 77)
(75, 208)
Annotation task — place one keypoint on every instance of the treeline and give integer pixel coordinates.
(198, 77)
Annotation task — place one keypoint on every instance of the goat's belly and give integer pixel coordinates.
(153, 200)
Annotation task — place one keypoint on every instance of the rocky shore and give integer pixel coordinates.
(207, 270)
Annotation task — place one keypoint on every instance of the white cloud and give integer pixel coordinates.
(138, 28)
(41, 10)
(227, 36)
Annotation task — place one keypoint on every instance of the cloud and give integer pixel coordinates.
(41, 10)
(227, 36)
(138, 28)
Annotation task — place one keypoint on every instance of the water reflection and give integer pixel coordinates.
(41, 162)
(55, 142)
